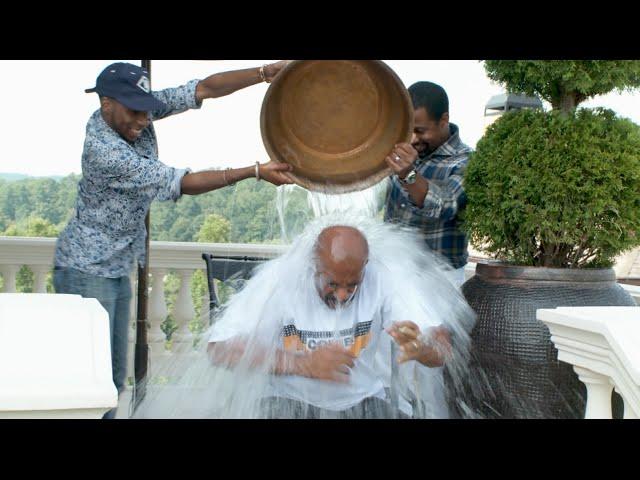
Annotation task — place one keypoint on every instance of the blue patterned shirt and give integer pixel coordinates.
(438, 217)
(119, 182)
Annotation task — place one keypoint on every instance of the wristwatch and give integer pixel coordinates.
(410, 179)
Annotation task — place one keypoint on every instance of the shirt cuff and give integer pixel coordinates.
(430, 206)
(191, 100)
(176, 187)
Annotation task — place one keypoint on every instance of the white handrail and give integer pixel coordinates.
(603, 345)
(182, 257)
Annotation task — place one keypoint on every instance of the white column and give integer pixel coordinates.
(598, 393)
(156, 315)
(183, 311)
(9, 273)
(157, 306)
(40, 277)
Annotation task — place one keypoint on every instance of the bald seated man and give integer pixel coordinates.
(324, 364)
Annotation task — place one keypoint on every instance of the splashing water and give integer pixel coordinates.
(366, 202)
(279, 309)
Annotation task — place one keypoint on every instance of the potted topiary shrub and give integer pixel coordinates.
(553, 196)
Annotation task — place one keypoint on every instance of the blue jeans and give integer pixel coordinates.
(114, 294)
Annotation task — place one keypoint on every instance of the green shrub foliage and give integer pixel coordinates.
(547, 189)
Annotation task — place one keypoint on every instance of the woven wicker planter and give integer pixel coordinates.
(514, 370)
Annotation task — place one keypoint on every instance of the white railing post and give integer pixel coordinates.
(55, 359)
(158, 353)
(602, 344)
(40, 277)
(183, 311)
(157, 307)
(9, 273)
(184, 257)
(599, 389)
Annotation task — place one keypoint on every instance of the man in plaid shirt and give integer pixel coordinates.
(427, 190)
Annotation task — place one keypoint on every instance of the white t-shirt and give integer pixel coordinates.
(305, 322)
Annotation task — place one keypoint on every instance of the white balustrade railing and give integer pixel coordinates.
(603, 345)
(182, 258)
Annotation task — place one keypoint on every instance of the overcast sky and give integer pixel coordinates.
(45, 111)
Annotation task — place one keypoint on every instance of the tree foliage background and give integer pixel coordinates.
(244, 213)
(557, 188)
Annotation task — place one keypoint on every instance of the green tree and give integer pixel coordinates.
(565, 83)
(12, 230)
(558, 188)
(39, 227)
(184, 229)
(52, 200)
(243, 213)
(555, 191)
(163, 215)
(215, 229)
(33, 226)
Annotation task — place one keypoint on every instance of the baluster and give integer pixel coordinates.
(599, 389)
(183, 311)
(157, 308)
(9, 273)
(40, 277)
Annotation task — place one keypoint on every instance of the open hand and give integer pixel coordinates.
(276, 173)
(431, 349)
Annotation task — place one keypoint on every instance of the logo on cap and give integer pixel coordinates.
(143, 84)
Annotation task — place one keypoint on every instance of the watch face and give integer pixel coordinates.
(411, 177)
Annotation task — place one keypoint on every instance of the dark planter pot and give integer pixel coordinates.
(514, 370)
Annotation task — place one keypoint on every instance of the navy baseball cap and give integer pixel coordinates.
(129, 85)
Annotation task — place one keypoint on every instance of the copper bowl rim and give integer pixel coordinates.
(360, 184)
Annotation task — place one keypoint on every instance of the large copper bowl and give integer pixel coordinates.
(335, 121)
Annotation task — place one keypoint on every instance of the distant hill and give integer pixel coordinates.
(11, 177)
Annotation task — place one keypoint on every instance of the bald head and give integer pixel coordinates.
(341, 254)
(342, 244)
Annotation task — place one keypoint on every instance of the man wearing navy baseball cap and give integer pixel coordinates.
(129, 85)
(122, 175)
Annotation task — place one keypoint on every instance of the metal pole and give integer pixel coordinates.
(141, 359)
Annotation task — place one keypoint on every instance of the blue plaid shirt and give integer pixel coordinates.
(438, 217)
(119, 182)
